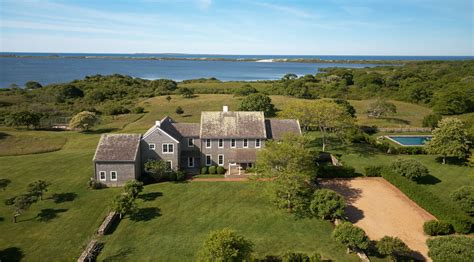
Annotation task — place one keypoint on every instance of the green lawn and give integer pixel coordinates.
(26, 142)
(176, 218)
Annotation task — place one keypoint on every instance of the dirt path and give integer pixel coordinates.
(382, 210)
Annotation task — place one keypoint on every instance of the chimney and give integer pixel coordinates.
(225, 109)
(157, 123)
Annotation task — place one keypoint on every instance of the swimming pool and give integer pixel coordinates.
(409, 140)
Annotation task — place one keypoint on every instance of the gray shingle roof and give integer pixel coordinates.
(276, 128)
(117, 147)
(237, 124)
(179, 130)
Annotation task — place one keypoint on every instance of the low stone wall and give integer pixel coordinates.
(108, 222)
(91, 251)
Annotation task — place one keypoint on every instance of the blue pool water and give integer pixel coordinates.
(410, 140)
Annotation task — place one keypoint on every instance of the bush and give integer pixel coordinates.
(172, 176)
(114, 109)
(212, 170)
(410, 168)
(225, 245)
(435, 228)
(220, 170)
(351, 236)
(393, 247)
(336, 171)
(204, 170)
(138, 110)
(180, 176)
(451, 248)
(431, 120)
(327, 204)
(464, 197)
(373, 171)
(179, 110)
(94, 184)
(133, 188)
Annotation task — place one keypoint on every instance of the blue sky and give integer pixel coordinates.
(331, 27)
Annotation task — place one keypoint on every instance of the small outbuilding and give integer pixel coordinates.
(117, 159)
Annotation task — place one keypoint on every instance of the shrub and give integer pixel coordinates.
(393, 247)
(220, 170)
(431, 120)
(94, 184)
(373, 171)
(179, 110)
(180, 176)
(435, 228)
(225, 245)
(172, 176)
(204, 170)
(451, 248)
(461, 224)
(327, 204)
(464, 197)
(294, 257)
(351, 236)
(410, 168)
(133, 188)
(212, 170)
(336, 171)
(138, 110)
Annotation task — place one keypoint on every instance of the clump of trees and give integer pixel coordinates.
(133, 188)
(27, 119)
(186, 92)
(225, 245)
(124, 204)
(354, 238)
(431, 120)
(258, 102)
(449, 140)
(327, 204)
(451, 248)
(393, 247)
(22, 202)
(83, 120)
(410, 168)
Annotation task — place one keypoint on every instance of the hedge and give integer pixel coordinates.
(439, 207)
(220, 170)
(204, 170)
(336, 172)
(212, 170)
(436, 228)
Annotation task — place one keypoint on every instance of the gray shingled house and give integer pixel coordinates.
(223, 138)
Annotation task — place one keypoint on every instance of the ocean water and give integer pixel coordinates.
(66, 68)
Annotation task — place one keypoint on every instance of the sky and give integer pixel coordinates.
(265, 27)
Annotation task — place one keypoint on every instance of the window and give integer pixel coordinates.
(232, 143)
(190, 161)
(102, 176)
(151, 146)
(257, 143)
(168, 149)
(113, 175)
(208, 143)
(246, 143)
(208, 160)
(190, 142)
(221, 143)
(220, 160)
(169, 165)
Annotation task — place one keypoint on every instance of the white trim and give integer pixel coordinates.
(218, 143)
(243, 143)
(210, 160)
(190, 139)
(210, 143)
(235, 143)
(157, 128)
(116, 176)
(191, 158)
(259, 143)
(105, 176)
(168, 148)
(219, 159)
(152, 145)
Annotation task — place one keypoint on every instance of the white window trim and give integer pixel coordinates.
(192, 161)
(171, 164)
(259, 143)
(218, 143)
(210, 160)
(152, 145)
(116, 176)
(191, 140)
(168, 148)
(244, 144)
(105, 175)
(234, 142)
(218, 160)
(210, 143)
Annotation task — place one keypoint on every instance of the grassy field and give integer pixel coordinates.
(14, 142)
(174, 220)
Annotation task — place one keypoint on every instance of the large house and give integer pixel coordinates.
(223, 138)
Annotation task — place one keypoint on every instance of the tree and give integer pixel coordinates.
(453, 101)
(186, 92)
(349, 108)
(83, 120)
(327, 204)
(4, 183)
(393, 247)
(179, 110)
(449, 139)
(21, 204)
(451, 248)
(37, 188)
(381, 108)
(351, 236)
(158, 169)
(245, 90)
(464, 197)
(124, 204)
(163, 85)
(23, 118)
(289, 77)
(410, 168)
(431, 120)
(258, 102)
(133, 188)
(33, 85)
(168, 98)
(225, 245)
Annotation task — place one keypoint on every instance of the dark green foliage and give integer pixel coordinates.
(204, 170)
(114, 108)
(410, 168)
(225, 245)
(453, 101)
(179, 110)
(157, 169)
(22, 203)
(94, 184)
(327, 204)
(381, 108)
(245, 90)
(393, 247)
(329, 171)
(258, 102)
(138, 110)
(33, 85)
(133, 188)
(373, 171)
(124, 204)
(212, 170)
(186, 92)
(451, 248)
(464, 197)
(431, 120)
(351, 236)
(163, 86)
(66, 92)
(180, 176)
(4, 183)
(349, 108)
(37, 188)
(220, 170)
(23, 118)
(435, 228)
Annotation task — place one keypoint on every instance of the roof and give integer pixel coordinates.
(179, 130)
(235, 124)
(276, 128)
(117, 147)
(242, 155)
